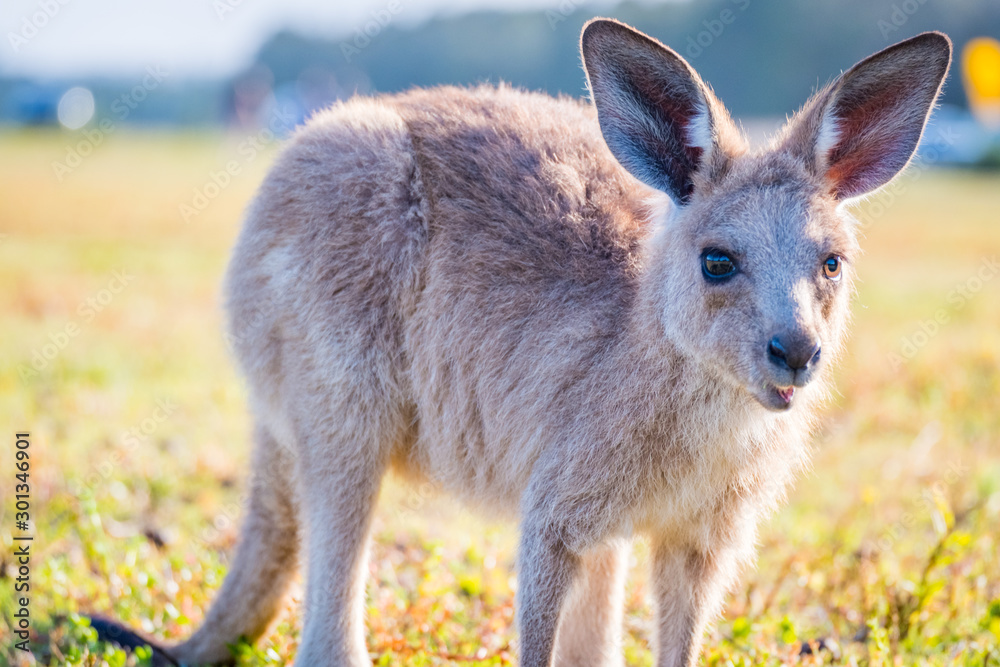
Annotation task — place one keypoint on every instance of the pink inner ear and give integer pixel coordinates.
(676, 106)
(875, 140)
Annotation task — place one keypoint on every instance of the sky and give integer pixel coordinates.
(201, 38)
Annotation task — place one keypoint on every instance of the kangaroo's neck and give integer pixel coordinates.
(656, 380)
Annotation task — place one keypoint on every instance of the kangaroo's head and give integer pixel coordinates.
(752, 265)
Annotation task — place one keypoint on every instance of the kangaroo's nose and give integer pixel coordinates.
(793, 352)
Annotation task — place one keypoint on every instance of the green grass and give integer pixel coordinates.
(888, 546)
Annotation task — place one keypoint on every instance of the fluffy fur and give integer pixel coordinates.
(466, 286)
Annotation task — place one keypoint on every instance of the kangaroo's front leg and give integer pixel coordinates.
(546, 570)
(689, 586)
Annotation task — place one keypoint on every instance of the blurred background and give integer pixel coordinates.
(236, 63)
(134, 134)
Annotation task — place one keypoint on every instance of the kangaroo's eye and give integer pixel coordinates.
(832, 268)
(717, 265)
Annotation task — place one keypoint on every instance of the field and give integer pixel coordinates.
(114, 361)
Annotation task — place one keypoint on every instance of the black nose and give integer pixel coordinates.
(793, 352)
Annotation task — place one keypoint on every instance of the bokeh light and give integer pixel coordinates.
(981, 70)
(76, 108)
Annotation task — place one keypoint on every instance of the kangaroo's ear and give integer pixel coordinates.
(659, 119)
(864, 128)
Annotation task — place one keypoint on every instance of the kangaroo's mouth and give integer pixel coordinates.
(775, 398)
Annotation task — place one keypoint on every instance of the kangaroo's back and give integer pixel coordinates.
(444, 232)
(524, 182)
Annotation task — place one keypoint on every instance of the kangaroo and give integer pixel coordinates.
(601, 320)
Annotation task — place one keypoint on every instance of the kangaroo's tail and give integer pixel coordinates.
(116, 633)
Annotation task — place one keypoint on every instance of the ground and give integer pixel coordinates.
(113, 359)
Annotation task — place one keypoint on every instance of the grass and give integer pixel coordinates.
(887, 550)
